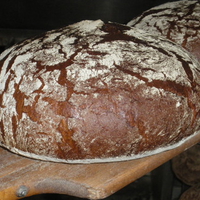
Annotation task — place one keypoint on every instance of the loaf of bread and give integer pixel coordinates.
(97, 92)
(186, 166)
(178, 21)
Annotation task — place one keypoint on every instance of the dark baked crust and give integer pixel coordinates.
(95, 92)
(178, 21)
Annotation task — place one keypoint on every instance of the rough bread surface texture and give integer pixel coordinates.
(97, 92)
(178, 21)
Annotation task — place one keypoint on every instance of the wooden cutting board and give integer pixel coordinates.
(23, 177)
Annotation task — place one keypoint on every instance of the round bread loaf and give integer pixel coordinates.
(178, 21)
(186, 166)
(97, 92)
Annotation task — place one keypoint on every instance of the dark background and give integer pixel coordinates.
(50, 14)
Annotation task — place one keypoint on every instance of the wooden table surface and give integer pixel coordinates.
(22, 177)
